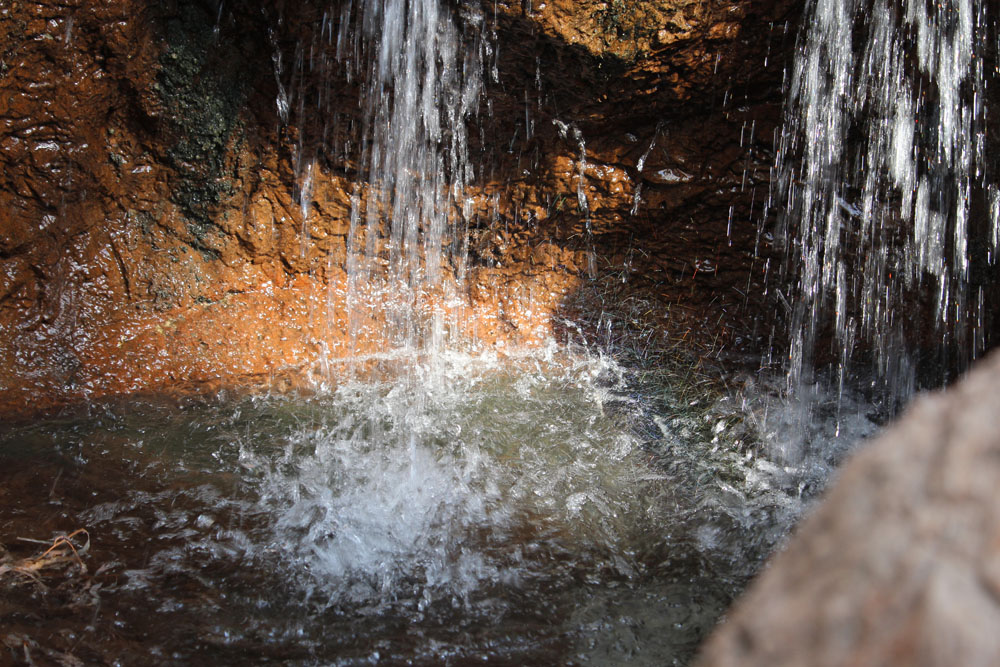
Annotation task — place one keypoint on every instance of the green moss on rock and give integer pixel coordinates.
(203, 85)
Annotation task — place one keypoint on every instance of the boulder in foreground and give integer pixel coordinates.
(900, 564)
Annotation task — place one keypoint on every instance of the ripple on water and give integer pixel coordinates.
(537, 511)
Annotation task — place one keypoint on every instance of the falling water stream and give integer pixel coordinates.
(886, 193)
(543, 507)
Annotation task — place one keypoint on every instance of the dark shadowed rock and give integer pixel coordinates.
(900, 564)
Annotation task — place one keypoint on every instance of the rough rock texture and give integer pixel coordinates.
(119, 133)
(900, 565)
(150, 231)
(671, 107)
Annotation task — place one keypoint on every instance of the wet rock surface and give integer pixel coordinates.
(899, 565)
(149, 204)
(152, 239)
(100, 240)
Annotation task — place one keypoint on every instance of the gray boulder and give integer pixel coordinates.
(900, 563)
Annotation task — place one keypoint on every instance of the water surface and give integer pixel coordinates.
(540, 510)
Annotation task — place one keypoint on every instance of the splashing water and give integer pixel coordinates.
(536, 510)
(881, 172)
(415, 489)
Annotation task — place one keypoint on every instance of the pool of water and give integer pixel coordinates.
(540, 510)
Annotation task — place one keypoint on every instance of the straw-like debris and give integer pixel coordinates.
(64, 554)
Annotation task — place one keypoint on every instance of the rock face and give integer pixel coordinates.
(900, 565)
(121, 268)
(151, 235)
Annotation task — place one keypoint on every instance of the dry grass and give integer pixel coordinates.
(63, 555)
(62, 560)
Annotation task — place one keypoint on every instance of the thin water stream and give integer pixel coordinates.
(887, 194)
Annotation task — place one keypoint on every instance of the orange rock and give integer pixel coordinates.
(152, 235)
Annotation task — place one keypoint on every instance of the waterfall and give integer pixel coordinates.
(415, 68)
(886, 198)
(420, 85)
(515, 506)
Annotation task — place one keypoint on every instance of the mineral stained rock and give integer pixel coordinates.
(150, 231)
(900, 564)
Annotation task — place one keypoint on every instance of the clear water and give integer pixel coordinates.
(539, 510)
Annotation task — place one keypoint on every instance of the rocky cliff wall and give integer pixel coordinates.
(150, 231)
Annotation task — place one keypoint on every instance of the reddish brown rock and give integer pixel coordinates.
(900, 564)
(150, 235)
